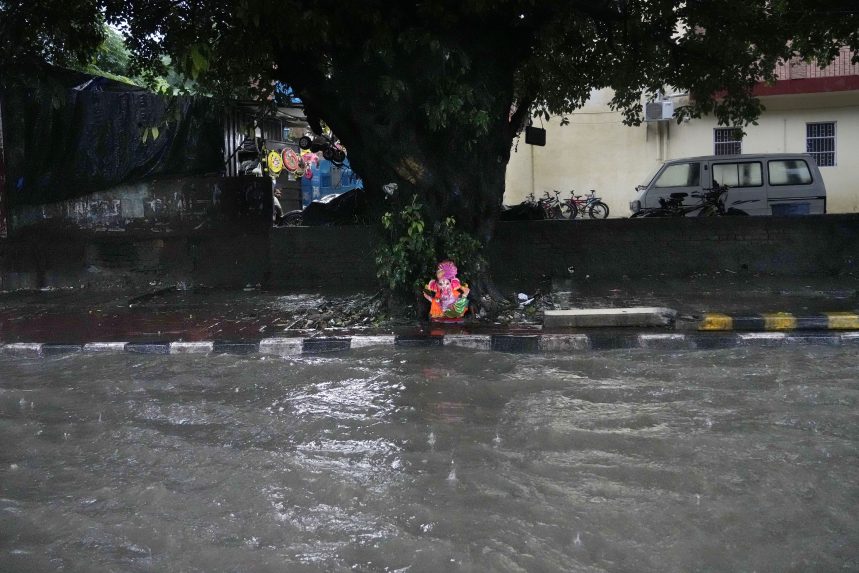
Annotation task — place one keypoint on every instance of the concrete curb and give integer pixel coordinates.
(778, 322)
(511, 343)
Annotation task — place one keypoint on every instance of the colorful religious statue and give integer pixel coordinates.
(447, 296)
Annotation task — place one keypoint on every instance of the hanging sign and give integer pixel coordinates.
(275, 163)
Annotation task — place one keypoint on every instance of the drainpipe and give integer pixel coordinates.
(533, 186)
(667, 140)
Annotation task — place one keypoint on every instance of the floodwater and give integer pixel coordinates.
(432, 460)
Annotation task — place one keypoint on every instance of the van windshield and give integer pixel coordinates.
(679, 175)
(649, 178)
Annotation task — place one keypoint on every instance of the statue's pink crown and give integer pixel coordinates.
(448, 268)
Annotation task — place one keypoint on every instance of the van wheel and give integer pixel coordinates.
(733, 211)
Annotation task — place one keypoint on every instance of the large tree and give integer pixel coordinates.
(431, 94)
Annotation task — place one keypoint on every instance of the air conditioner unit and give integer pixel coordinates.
(658, 110)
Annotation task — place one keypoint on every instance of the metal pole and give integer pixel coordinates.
(4, 228)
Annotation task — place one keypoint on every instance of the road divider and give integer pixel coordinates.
(778, 322)
(510, 343)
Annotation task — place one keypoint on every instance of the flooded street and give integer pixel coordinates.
(432, 460)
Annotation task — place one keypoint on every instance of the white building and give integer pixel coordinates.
(807, 110)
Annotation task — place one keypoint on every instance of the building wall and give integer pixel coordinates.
(596, 151)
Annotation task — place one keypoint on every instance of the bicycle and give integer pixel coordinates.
(551, 205)
(712, 204)
(590, 204)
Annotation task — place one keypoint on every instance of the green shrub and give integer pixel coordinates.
(413, 247)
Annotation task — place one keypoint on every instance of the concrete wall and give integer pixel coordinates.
(524, 253)
(160, 207)
(596, 151)
(203, 230)
(323, 258)
(110, 262)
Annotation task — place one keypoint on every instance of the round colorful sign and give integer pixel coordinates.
(275, 163)
(290, 160)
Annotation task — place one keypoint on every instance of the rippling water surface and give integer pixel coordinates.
(442, 460)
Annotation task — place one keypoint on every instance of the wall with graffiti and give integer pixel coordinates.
(162, 206)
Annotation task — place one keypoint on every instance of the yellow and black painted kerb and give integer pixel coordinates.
(780, 321)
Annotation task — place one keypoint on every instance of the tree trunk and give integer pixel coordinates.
(456, 171)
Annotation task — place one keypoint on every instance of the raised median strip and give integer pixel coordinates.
(508, 343)
(637, 316)
(778, 322)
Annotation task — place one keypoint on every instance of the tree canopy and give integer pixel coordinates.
(430, 94)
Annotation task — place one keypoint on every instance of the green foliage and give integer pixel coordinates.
(458, 63)
(413, 247)
(112, 56)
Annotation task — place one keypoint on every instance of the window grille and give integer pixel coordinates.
(820, 142)
(727, 141)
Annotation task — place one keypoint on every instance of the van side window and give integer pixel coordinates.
(680, 175)
(748, 174)
(789, 172)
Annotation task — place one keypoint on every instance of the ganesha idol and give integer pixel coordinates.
(448, 297)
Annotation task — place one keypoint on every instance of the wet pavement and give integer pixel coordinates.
(73, 316)
(431, 460)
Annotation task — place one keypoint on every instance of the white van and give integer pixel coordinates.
(767, 184)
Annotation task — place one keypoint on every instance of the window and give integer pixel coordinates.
(727, 141)
(820, 142)
(738, 174)
(789, 172)
(680, 175)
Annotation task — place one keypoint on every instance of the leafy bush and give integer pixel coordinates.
(412, 248)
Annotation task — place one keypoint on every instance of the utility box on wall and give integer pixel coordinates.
(535, 136)
(658, 110)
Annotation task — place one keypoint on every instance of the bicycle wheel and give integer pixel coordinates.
(570, 210)
(292, 219)
(598, 210)
(657, 213)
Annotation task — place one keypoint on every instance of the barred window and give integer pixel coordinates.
(727, 141)
(820, 142)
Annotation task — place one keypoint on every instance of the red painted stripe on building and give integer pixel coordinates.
(808, 86)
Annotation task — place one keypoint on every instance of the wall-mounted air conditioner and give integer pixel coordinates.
(658, 110)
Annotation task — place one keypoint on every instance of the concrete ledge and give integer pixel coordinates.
(148, 347)
(418, 340)
(235, 347)
(515, 343)
(23, 349)
(850, 338)
(663, 341)
(564, 342)
(281, 346)
(512, 343)
(367, 341)
(104, 347)
(53, 349)
(191, 347)
(318, 345)
(609, 317)
(474, 341)
(762, 339)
